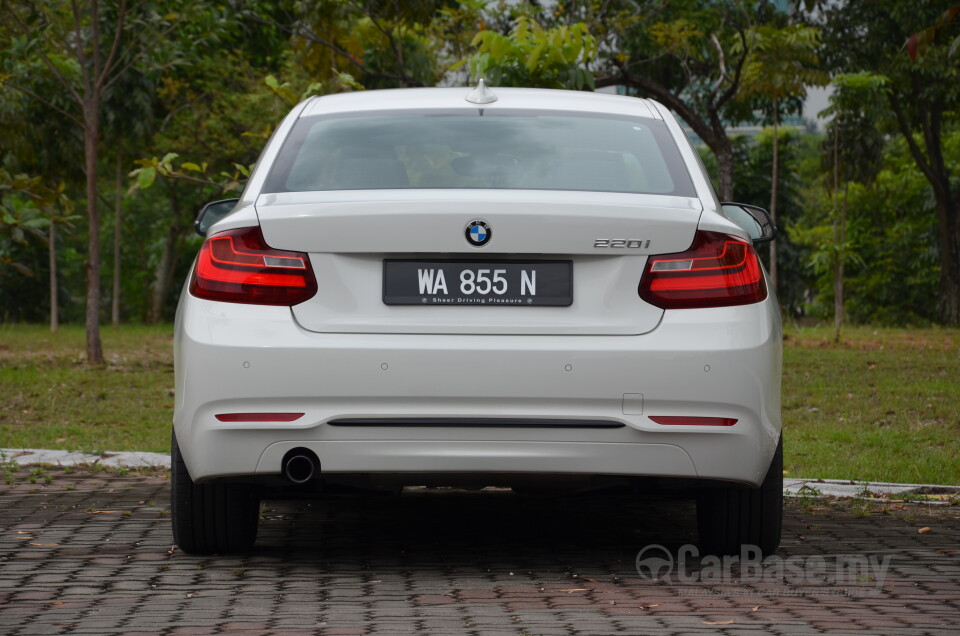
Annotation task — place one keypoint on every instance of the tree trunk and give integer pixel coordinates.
(118, 197)
(398, 49)
(948, 213)
(723, 151)
(841, 256)
(713, 132)
(948, 222)
(54, 299)
(91, 131)
(774, 177)
(837, 265)
(837, 284)
(933, 166)
(163, 274)
(90, 105)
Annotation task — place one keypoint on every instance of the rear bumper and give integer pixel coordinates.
(711, 362)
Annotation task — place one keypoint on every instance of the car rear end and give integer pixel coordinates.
(417, 289)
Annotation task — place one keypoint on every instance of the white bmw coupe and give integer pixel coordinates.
(509, 287)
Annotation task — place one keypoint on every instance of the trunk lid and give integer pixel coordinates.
(606, 236)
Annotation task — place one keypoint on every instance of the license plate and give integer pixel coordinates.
(499, 283)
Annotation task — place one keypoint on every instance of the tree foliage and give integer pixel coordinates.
(753, 161)
(892, 269)
(687, 54)
(187, 93)
(534, 56)
(85, 47)
(922, 93)
(781, 64)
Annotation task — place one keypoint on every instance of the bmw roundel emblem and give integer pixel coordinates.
(478, 233)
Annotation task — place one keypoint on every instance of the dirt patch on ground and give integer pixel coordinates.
(895, 341)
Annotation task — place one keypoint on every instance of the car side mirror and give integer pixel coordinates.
(211, 213)
(756, 221)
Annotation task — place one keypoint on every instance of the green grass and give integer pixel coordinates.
(883, 405)
(51, 399)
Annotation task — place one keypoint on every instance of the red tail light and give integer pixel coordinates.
(717, 271)
(237, 266)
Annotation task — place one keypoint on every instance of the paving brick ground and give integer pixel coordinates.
(91, 553)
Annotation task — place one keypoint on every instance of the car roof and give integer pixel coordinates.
(455, 98)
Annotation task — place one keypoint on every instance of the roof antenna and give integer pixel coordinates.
(481, 94)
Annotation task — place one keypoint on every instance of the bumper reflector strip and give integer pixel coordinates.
(682, 420)
(474, 422)
(258, 417)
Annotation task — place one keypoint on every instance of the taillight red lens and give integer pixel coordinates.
(717, 271)
(237, 266)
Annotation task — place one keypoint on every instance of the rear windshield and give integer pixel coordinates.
(494, 150)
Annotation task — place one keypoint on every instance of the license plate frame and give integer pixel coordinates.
(524, 283)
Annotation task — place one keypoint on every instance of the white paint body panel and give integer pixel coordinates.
(247, 358)
(446, 98)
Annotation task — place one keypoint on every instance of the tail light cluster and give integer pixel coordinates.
(718, 270)
(237, 266)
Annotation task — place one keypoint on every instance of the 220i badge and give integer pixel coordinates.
(526, 283)
(616, 243)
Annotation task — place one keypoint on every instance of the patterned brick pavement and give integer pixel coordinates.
(91, 553)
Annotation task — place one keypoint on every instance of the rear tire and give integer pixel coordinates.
(210, 518)
(729, 517)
